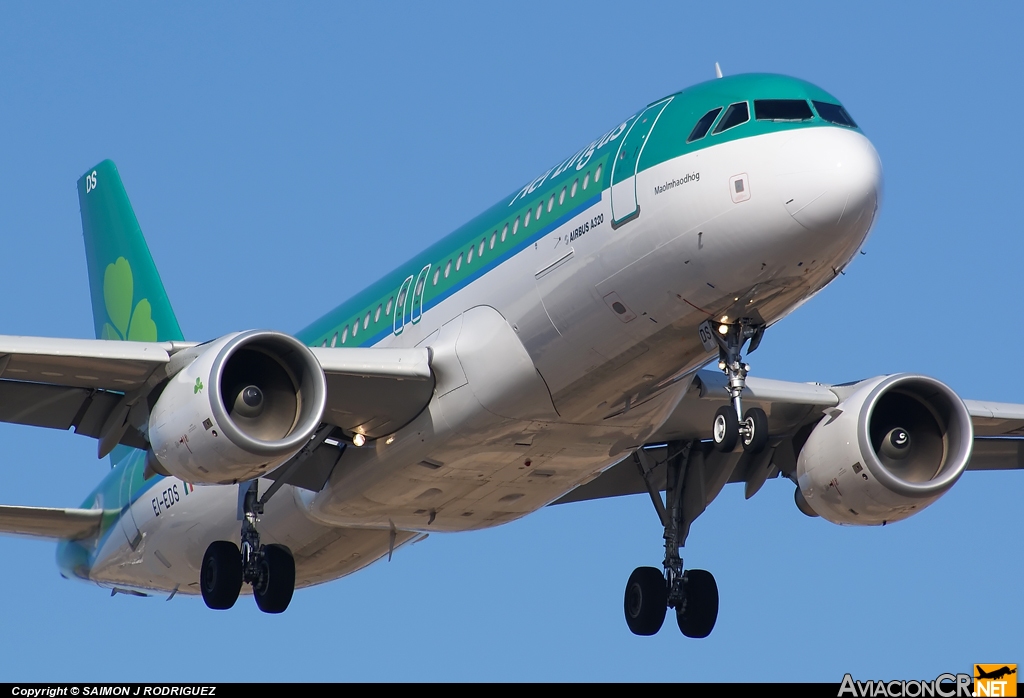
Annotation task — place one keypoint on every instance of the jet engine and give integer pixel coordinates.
(247, 403)
(892, 447)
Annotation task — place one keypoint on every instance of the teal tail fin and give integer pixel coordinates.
(128, 297)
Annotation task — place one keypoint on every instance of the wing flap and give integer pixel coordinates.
(59, 407)
(46, 522)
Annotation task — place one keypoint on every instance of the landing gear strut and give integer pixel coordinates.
(270, 569)
(731, 424)
(650, 592)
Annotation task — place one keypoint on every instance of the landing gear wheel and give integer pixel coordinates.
(726, 430)
(697, 615)
(273, 590)
(755, 437)
(645, 601)
(221, 576)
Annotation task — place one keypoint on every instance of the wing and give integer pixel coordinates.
(792, 409)
(90, 385)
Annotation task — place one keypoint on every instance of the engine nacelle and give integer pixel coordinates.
(244, 405)
(890, 449)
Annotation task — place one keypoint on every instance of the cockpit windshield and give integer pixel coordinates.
(782, 110)
(834, 113)
(735, 115)
(701, 129)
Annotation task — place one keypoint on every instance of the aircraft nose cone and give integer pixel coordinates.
(830, 180)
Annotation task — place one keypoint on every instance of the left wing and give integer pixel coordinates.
(792, 409)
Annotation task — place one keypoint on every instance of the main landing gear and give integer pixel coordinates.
(269, 568)
(731, 424)
(650, 591)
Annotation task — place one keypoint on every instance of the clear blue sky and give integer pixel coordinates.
(280, 159)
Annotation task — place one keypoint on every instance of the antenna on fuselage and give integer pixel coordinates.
(718, 70)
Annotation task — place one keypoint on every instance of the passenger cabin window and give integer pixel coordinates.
(782, 110)
(704, 125)
(735, 115)
(834, 113)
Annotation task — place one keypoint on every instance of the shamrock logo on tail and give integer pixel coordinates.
(136, 324)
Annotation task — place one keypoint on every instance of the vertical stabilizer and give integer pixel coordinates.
(128, 298)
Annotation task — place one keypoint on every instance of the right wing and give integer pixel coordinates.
(91, 385)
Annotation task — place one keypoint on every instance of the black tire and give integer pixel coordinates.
(220, 578)
(273, 590)
(726, 429)
(757, 434)
(696, 617)
(645, 601)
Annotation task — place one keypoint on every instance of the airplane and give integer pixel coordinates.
(551, 350)
(995, 673)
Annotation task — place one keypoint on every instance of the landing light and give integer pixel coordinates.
(358, 440)
(723, 329)
(391, 440)
(725, 318)
(721, 365)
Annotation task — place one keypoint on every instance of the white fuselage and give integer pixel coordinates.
(553, 365)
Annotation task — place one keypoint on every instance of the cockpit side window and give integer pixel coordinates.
(782, 110)
(834, 113)
(735, 115)
(702, 127)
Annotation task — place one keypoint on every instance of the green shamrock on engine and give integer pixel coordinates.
(118, 295)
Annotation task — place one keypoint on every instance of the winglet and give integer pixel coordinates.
(128, 297)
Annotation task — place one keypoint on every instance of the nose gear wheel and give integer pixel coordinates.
(731, 424)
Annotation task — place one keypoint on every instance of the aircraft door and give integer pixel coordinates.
(402, 303)
(416, 309)
(627, 161)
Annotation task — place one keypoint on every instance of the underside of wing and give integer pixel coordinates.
(793, 411)
(109, 390)
(375, 391)
(62, 524)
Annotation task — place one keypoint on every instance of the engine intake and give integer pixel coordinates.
(247, 403)
(892, 447)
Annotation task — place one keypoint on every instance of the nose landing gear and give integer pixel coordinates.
(650, 592)
(731, 423)
(270, 569)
